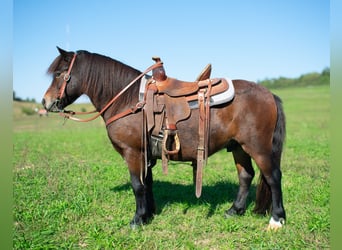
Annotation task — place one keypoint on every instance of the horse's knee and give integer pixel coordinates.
(246, 177)
(274, 179)
(137, 186)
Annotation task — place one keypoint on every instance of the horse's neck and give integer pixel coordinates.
(105, 90)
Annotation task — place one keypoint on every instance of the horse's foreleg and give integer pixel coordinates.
(245, 173)
(145, 205)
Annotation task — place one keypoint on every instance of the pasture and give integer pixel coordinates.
(72, 190)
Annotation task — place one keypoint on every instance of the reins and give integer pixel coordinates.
(138, 106)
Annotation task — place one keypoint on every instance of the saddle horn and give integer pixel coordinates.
(159, 72)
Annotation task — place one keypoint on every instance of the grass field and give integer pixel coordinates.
(72, 190)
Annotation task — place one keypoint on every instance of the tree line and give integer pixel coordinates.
(19, 99)
(309, 79)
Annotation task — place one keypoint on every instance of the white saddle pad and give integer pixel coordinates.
(217, 99)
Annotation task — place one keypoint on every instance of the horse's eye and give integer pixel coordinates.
(57, 74)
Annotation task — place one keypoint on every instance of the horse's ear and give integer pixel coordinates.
(65, 54)
(62, 51)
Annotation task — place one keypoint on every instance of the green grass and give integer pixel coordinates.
(72, 190)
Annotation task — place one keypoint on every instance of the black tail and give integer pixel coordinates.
(279, 132)
(263, 192)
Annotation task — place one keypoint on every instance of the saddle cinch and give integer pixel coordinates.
(169, 101)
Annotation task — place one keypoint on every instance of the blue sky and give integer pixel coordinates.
(245, 39)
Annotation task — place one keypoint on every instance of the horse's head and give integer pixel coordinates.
(65, 87)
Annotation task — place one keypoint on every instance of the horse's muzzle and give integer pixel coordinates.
(52, 106)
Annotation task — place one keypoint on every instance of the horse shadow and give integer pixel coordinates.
(166, 193)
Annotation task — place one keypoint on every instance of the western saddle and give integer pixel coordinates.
(167, 103)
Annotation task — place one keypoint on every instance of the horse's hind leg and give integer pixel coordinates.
(269, 190)
(245, 173)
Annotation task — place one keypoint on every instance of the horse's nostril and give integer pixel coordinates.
(43, 102)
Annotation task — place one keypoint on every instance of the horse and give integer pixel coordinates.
(251, 126)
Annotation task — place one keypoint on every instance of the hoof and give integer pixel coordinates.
(274, 225)
(233, 212)
(229, 214)
(136, 224)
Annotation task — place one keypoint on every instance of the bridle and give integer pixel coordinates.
(66, 78)
(70, 114)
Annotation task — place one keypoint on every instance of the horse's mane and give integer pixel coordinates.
(103, 77)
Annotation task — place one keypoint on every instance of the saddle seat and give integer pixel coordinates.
(176, 88)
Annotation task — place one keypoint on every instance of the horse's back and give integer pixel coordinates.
(248, 119)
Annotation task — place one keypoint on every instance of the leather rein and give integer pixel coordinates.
(70, 114)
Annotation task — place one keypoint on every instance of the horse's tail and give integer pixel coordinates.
(263, 192)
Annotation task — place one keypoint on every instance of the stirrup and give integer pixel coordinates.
(174, 133)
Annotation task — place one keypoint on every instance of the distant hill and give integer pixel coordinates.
(310, 79)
